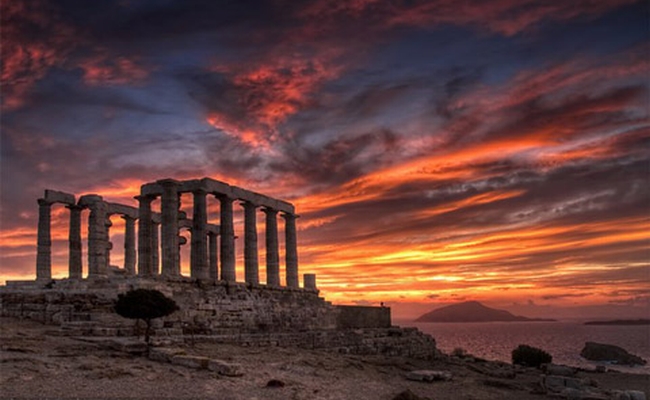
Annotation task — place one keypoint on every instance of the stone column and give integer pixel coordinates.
(98, 244)
(251, 266)
(44, 241)
(309, 281)
(74, 243)
(155, 248)
(129, 244)
(227, 241)
(145, 232)
(212, 241)
(272, 253)
(169, 205)
(198, 251)
(291, 250)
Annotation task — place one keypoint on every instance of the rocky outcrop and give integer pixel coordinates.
(610, 353)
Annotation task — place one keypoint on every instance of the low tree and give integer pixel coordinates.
(144, 304)
(530, 356)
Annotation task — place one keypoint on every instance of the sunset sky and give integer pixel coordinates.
(436, 151)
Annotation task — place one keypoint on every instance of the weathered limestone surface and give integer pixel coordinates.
(74, 242)
(98, 243)
(251, 267)
(291, 250)
(145, 233)
(44, 241)
(272, 253)
(199, 251)
(169, 205)
(129, 244)
(360, 317)
(227, 253)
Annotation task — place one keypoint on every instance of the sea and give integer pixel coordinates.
(562, 339)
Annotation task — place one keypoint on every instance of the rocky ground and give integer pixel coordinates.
(35, 364)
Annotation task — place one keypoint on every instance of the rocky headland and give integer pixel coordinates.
(37, 363)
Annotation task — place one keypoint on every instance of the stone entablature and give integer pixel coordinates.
(157, 243)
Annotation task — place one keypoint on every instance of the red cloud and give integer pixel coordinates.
(104, 69)
(270, 91)
(32, 42)
(507, 17)
(35, 40)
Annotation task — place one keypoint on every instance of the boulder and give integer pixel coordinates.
(428, 375)
(408, 395)
(607, 352)
(225, 368)
(196, 362)
(560, 370)
(164, 354)
(628, 395)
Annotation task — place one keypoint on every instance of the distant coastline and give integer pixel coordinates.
(620, 322)
(473, 311)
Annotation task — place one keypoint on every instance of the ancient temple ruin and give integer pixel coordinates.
(212, 254)
(211, 301)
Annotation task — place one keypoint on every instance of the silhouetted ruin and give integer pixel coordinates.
(158, 233)
(211, 301)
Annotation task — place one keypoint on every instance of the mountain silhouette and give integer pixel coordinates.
(472, 311)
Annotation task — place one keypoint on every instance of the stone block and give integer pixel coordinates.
(225, 368)
(559, 370)
(163, 354)
(429, 376)
(636, 394)
(196, 362)
(54, 196)
(553, 383)
(130, 346)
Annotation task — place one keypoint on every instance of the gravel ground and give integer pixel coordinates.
(34, 364)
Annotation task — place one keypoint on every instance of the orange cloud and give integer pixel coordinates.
(270, 91)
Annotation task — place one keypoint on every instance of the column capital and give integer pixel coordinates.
(74, 207)
(128, 217)
(247, 203)
(43, 202)
(269, 210)
(287, 215)
(224, 197)
(147, 198)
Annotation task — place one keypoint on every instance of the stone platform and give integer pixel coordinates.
(215, 311)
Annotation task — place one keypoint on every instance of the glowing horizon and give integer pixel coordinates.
(492, 152)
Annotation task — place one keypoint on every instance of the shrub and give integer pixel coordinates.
(144, 304)
(530, 356)
(459, 352)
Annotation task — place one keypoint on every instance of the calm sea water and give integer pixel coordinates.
(562, 339)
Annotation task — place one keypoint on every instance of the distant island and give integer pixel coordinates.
(620, 322)
(472, 311)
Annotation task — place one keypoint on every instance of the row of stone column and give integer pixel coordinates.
(205, 247)
(99, 245)
(204, 243)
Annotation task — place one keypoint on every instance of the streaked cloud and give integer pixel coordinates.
(491, 151)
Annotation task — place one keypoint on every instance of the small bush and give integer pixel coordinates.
(144, 304)
(459, 352)
(530, 356)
